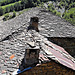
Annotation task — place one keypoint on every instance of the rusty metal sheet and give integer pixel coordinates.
(60, 56)
(58, 47)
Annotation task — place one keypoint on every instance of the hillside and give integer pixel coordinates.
(7, 6)
(64, 9)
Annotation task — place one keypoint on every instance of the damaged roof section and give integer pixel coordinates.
(48, 50)
(53, 51)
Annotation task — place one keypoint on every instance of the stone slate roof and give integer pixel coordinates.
(52, 26)
(16, 43)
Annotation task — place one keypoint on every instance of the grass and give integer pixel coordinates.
(10, 4)
(8, 16)
(1, 0)
(70, 16)
(20, 12)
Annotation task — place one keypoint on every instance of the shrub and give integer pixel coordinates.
(58, 13)
(1, 11)
(66, 6)
(10, 17)
(72, 5)
(62, 3)
(63, 15)
(42, 4)
(70, 15)
(20, 13)
(59, 6)
(6, 17)
(51, 7)
(54, 11)
(14, 14)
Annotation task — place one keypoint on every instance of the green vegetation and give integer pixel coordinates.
(12, 4)
(1, 11)
(7, 16)
(69, 6)
(6, 2)
(52, 9)
(70, 15)
(14, 14)
(7, 6)
(11, 7)
(58, 14)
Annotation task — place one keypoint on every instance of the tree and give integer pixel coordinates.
(23, 3)
(14, 14)
(7, 9)
(11, 8)
(16, 6)
(1, 11)
(38, 1)
(6, 17)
